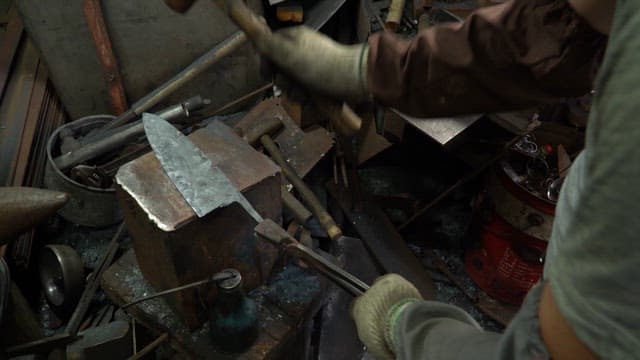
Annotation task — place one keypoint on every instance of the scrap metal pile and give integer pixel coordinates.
(185, 232)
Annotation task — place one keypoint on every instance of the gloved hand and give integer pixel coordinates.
(318, 62)
(377, 311)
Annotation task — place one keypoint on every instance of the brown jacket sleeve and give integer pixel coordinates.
(504, 57)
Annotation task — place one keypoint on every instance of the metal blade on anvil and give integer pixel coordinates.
(204, 186)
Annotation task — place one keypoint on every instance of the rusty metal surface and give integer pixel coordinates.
(283, 306)
(154, 191)
(152, 42)
(380, 237)
(302, 149)
(200, 247)
(110, 69)
(22, 208)
(50, 116)
(88, 206)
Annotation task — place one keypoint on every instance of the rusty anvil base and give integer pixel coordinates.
(175, 247)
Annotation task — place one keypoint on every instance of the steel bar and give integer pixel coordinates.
(87, 295)
(220, 51)
(111, 71)
(113, 141)
(147, 349)
(307, 195)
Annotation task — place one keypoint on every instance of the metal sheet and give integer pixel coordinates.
(204, 186)
(381, 238)
(152, 43)
(442, 130)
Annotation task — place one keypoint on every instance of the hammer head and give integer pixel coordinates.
(180, 6)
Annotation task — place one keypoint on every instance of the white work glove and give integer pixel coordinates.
(378, 310)
(318, 62)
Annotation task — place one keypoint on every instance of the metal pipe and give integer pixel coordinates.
(117, 139)
(220, 51)
(307, 195)
(111, 70)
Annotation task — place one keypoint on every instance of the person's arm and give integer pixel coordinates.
(504, 57)
(598, 13)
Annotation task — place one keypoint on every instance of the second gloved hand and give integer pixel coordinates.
(377, 311)
(318, 62)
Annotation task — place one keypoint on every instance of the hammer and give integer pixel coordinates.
(345, 120)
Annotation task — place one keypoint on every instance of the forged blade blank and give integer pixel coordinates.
(204, 186)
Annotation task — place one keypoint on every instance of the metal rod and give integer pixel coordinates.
(111, 70)
(119, 138)
(43, 345)
(133, 334)
(215, 278)
(307, 195)
(354, 285)
(147, 349)
(241, 99)
(94, 281)
(211, 57)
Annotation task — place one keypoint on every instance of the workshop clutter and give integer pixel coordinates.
(201, 226)
(514, 215)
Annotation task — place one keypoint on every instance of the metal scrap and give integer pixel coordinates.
(111, 70)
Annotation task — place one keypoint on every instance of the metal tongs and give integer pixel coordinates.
(272, 232)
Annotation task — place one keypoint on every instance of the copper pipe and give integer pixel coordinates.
(95, 21)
